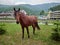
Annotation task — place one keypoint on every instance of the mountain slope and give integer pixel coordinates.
(30, 9)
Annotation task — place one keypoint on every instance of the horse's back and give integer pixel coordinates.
(32, 18)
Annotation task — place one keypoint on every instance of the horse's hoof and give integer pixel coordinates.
(33, 33)
(22, 38)
(28, 36)
(39, 28)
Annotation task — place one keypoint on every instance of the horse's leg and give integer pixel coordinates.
(27, 32)
(22, 32)
(33, 30)
(36, 24)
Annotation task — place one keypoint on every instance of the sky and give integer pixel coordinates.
(32, 2)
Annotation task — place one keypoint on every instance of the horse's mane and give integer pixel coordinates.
(23, 11)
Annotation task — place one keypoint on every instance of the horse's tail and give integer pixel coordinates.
(37, 26)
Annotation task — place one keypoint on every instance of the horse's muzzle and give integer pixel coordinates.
(17, 22)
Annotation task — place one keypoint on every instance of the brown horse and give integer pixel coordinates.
(25, 21)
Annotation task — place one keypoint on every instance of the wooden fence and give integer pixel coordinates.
(7, 17)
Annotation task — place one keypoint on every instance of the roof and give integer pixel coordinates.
(5, 14)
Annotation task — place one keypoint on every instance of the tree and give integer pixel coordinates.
(42, 12)
(55, 8)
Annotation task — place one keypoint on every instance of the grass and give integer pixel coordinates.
(13, 36)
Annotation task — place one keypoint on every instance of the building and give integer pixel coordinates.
(6, 15)
(53, 15)
(9, 14)
(42, 17)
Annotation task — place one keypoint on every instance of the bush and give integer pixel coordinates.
(55, 35)
(2, 29)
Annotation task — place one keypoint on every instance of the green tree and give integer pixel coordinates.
(42, 12)
(55, 8)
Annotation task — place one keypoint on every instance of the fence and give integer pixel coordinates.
(7, 17)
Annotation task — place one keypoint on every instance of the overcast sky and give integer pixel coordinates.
(33, 2)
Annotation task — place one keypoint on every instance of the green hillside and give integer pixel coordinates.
(55, 8)
(30, 9)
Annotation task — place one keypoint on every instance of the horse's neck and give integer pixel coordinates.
(22, 18)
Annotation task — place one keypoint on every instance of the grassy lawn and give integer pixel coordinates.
(13, 36)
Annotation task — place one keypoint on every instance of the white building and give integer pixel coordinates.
(53, 15)
(6, 15)
(10, 14)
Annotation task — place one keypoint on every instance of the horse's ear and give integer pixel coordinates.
(14, 9)
(19, 9)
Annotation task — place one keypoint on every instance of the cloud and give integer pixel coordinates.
(12, 2)
(17, 3)
(42, 1)
(7, 2)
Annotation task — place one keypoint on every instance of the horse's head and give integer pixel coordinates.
(16, 14)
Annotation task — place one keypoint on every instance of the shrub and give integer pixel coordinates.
(2, 29)
(55, 35)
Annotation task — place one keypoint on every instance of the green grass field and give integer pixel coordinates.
(13, 36)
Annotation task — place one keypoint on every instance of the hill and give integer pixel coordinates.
(55, 8)
(30, 9)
